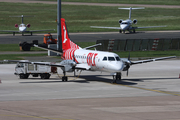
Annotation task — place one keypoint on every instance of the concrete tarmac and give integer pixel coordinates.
(91, 36)
(150, 92)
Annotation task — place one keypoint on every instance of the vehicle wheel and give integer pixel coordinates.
(134, 31)
(23, 76)
(26, 46)
(48, 76)
(35, 75)
(43, 76)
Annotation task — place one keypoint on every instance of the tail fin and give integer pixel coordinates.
(130, 10)
(66, 42)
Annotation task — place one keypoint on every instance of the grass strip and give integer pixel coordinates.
(149, 2)
(15, 47)
(79, 18)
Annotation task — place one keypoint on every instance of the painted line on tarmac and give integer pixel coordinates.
(24, 116)
(159, 91)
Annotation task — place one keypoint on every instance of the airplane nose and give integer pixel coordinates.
(22, 28)
(124, 27)
(118, 66)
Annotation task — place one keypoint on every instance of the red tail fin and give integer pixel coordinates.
(66, 42)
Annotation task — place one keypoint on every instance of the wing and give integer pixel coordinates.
(39, 30)
(64, 64)
(147, 27)
(9, 31)
(106, 27)
(151, 60)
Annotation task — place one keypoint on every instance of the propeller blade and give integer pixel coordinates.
(129, 56)
(129, 63)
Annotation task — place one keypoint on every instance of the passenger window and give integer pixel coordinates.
(111, 58)
(105, 59)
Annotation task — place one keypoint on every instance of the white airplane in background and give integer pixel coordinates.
(23, 27)
(127, 24)
(74, 57)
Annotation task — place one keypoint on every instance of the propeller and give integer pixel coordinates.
(74, 66)
(128, 63)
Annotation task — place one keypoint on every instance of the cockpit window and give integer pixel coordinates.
(111, 59)
(124, 23)
(117, 58)
(20, 65)
(22, 25)
(105, 59)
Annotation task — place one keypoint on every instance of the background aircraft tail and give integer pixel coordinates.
(22, 16)
(130, 10)
(66, 42)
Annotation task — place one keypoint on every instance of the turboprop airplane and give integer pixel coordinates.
(23, 27)
(127, 24)
(77, 58)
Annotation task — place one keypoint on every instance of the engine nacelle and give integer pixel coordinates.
(28, 25)
(16, 25)
(120, 21)
(135, 21)
(69, 65)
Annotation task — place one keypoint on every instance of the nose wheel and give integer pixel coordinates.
(116, 77)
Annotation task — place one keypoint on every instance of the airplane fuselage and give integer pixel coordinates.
(125, 25)
(22, 28)
(95, 60)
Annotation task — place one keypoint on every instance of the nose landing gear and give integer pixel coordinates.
(116, 77)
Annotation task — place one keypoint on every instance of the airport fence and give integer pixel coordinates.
(159, 44)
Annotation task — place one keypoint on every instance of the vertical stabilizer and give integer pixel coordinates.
(66, 42)
(130, 9)
(22, 18)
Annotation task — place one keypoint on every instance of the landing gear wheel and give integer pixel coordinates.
(134, 30)
(64, 78)
(116, 77)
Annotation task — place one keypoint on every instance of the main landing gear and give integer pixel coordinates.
(64, 78)
(116, 77)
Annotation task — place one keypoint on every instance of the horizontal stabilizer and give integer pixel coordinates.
(132, 8)
(23, 16)
(53, 50)
(92, 46)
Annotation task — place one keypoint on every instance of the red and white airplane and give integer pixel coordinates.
(75, 57)
(23, 27)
